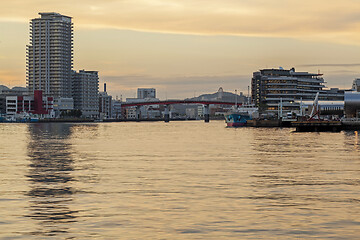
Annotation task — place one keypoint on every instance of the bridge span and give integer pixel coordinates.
(167, 103)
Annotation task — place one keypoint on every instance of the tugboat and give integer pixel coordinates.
(238, 117)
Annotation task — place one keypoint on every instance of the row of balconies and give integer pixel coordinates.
(50, 71)
(53, 70)
(51, 58)
(43, 57)
(43, 52)
(40, 30)
(53, 25)
(51, 55)
(50, 37)
(64, 41)
(47, 42)
(40, 52)
(53, 62)
(52, 33)
(67, 32)
(281, 84)
(51, 46)
(45, 69)
(292, 88)
(292, 94)
(37, 39)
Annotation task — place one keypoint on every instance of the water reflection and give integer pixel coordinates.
(50, 177)
(352, 138)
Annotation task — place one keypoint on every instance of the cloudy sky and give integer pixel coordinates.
(188, 47)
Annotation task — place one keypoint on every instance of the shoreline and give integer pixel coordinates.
(301, 126)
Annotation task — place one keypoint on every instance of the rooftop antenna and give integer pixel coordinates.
(235, 98)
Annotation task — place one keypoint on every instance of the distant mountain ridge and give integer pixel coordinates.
(220, 96)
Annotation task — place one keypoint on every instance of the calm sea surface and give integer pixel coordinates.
(181, 180)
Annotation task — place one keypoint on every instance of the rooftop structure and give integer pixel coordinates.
(356, 85)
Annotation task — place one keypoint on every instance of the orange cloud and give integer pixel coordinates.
(325, 20)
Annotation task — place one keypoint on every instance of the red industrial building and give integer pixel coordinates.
(34, 104)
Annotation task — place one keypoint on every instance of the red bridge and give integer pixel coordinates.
(171, 102)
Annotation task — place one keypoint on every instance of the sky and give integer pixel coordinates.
(185, 48)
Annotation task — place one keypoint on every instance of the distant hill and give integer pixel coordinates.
(23, 89)
(2, 87)
(221, 96)
(18, 89)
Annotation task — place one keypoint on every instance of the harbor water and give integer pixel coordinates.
(177, 180)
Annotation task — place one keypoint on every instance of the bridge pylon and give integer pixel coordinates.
(206, 113)
(167, 113)
(138, 114)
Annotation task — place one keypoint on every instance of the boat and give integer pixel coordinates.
(238, 117)
(26, 118)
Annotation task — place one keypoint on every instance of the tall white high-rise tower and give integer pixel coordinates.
(50, 55)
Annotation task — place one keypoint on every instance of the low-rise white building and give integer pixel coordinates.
(146, 111)
(116, 109)
(62, 105)
(17, 106)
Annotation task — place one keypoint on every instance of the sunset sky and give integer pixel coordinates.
(187, 47)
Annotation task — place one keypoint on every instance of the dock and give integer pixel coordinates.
(263, 123)
(318, 126)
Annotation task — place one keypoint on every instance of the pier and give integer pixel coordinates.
(318, 126)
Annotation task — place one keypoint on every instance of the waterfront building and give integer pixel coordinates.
(146, 93)
(117, 111)
(352, 104)
(105, 105)
(130, 113)
(5, 91)
(326, 108)
(63, 105)
(272, 88)
(50, 55)
(34, 104)
(85, 85)
(147, 111)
